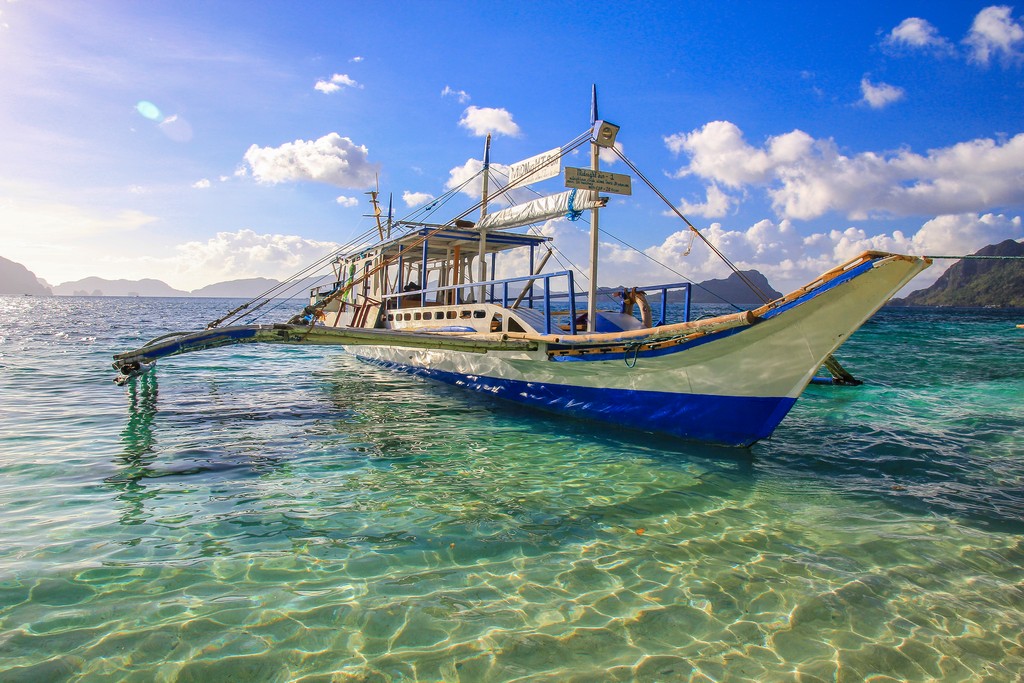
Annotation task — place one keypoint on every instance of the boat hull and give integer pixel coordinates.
(731, 387)
(728, 380)
(723, 420)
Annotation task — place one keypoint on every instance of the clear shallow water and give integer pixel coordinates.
(280, 514)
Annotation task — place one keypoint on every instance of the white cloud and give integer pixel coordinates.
(242, 254)
(201, 184)
(919, 34)
(347, 202)
(719, 151)
(461, 95)
(880, 95)
(608, 155)
(788, 259)
(413, 199)
(807, 178)
(38, 220)
(994, 33)
(357, 59)
(63, 241)
(331, 159)
(483, 120)
(467, 175)
(336, 82)
(716, 205)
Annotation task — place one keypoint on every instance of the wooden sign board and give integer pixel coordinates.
(599, 181)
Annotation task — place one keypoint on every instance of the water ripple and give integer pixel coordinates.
(294, 515)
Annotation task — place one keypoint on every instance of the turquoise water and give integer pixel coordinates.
(284, 514)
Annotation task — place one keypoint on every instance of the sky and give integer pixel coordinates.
(196, 142)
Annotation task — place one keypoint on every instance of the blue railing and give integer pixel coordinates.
(498, 292)
(489, 287)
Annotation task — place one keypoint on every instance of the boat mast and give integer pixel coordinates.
(376, 206)
(483, 212)
(595, 165)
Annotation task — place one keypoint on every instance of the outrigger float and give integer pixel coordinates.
(421, 299)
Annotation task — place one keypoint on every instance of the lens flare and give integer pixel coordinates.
(148, 109)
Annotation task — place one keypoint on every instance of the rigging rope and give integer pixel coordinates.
(746, 280)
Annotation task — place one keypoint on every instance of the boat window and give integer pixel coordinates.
(514, 326)
(408, 316)
(391, 316)
(428, 315)
(479, 314)
(465, 314)
(496, 323)
(417, 316)
(451, 315)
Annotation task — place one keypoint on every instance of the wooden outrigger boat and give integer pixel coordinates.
(422, 299)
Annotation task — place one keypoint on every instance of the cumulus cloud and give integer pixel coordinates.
(880, 95)
(483, 120)
(336, 83)
(995, 34)
(467, 178)
(201, 184)
(461, 95)
(245, 253)
(608, 156)
(357, 59)
(806, 178)
(332, 159)
(347, 202)
(775, 248)
(717, 204)
(413, 199)
(918, 34)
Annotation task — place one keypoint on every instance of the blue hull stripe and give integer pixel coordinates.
(725, 420)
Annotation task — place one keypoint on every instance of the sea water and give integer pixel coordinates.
(291, 514)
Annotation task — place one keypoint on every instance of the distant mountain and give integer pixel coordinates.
(97, 286)
(242, 289)
(731, 290)
(977, 283)
(734, 290)
(17, 280)
(248, 288)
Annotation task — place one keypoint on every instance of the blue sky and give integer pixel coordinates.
(195, 142)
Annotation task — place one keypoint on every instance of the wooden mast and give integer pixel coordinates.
(482, 254)
(595, 165)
